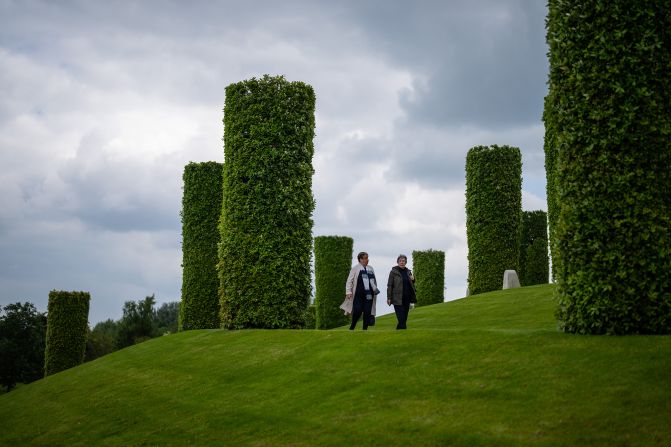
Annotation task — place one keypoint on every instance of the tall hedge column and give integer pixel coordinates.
(609, 111)
(266, 225)
(493, 214)
(201, 210)
(333, 256)
(534, 260)
(67, 320)
(429, 272)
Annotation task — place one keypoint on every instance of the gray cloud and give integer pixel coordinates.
(482, 63)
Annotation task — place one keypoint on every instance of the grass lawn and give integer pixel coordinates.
(487, 370)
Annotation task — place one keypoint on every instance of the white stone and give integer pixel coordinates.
(510, 279)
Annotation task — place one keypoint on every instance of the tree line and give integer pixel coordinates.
(23, 335)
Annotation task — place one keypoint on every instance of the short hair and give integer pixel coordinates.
(361, 255)
(402, 256)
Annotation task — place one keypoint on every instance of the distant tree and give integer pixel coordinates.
(140, 322)
(137, 323)
(102, 339)
(22, 336)
(166, 317)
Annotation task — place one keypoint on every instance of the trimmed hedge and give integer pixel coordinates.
(67, 322)
(429, 272)
(550, 148)
(266, 221)
(610, 102)
(201, 210)
(310, 317)
(333, 256)
(534, 262)
(493, 215)
(538, 265)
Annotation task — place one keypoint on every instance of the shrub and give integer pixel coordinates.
(610, 115)
(201, 210)
(429, 272)
(67, 322)
(266, 220)
(333, 256)
(534, 263)
(493, 214)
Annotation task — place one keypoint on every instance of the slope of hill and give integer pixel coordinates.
(485, 370)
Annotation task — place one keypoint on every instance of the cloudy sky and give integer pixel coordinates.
(103, 103)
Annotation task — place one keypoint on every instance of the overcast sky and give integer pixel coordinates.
(102, 103)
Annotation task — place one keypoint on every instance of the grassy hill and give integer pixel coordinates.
(486, 370)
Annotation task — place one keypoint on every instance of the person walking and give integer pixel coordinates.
(361, 287)
(401, 290)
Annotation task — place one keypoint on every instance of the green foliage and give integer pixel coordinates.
(609, 115)
(22, 334)
(266, 220)
(534, 262)
(67, 322)
(101, 340)
(137, 324)
(493, 214)
(310, 317)
(140, 322)
(166, 317)
(550, 147)
(429, 272)
(538, 267)
(201, 209)
(333, 258)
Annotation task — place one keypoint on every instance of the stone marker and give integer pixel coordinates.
(510, 279)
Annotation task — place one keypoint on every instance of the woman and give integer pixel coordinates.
(362, 289)
(401, 290)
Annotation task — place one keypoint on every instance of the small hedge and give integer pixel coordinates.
(201, 210)
(534, 262)
(610, 113)
(266, 221)
(428, 268)
(493, 215)
(333, 258)
(67, 322)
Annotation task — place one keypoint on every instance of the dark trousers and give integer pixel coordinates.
(361, 305)
(402, 314)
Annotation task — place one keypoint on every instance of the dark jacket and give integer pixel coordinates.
(395, 286)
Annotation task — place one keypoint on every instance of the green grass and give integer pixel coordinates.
(486, 370)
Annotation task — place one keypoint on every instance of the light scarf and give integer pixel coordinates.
(368, 281)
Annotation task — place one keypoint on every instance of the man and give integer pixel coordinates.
(361, 287)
